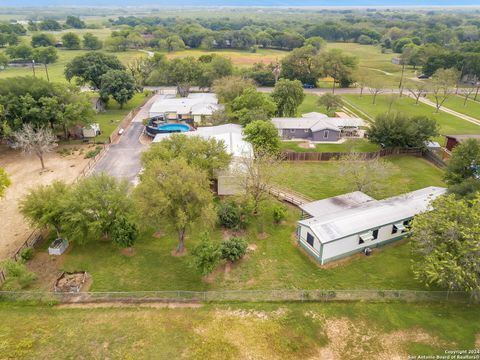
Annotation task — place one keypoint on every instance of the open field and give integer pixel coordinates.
(319, 180)
(238, 57)
(238, 331)
(449, 124)
(360, 145)
(56, 70)
(471, 108)
(310, 104)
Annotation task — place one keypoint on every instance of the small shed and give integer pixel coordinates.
(91, 130)
(58, 246)
(454, 140)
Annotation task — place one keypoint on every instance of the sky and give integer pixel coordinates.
(296, 3)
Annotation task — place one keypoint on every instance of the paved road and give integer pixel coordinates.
(122, 160)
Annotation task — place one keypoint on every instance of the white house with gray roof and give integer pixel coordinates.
(347, 224)
(316, 127)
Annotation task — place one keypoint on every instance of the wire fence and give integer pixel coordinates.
(407, 296)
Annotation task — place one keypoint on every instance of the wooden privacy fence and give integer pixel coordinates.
(325, 156)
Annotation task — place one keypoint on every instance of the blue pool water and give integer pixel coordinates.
(174, 128)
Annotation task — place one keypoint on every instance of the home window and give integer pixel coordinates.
(375, 234)
(325, 134)
(310, 239)
(399, 227)
(368, 236)
(306, 130)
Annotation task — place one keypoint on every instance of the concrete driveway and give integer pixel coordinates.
(122, 160)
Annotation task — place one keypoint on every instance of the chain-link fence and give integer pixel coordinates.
(246, 296)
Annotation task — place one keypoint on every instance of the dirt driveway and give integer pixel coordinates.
(24, 171)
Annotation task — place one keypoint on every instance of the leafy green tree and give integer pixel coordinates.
(301, 64)
(45, 56)
(91, 42)
(230, 87)
(252, 105)
(90, 67)
(288, 95)
(397, 130)
(464, 167)
(119, 85)
(94, 204)
(42, 39)
(206, 154)
(330, 101)
(183, 72)
(4, 60)
(49, 25)
(71, 41)
(177, 194)
(45, 205)
(233, 249)
(339, 66)
(316, 41)
(17, 274)
(263, 136)
(4, 182)
(116, 44)
(75, 22)
(231, 215)
(20, 52)
(279, 213)
(213, 67)
(124, 232)
(445, 244)
(206, 256)
(173, 43)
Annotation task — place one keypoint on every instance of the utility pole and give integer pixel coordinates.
(33, 67)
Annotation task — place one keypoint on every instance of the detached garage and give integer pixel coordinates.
(344, 225)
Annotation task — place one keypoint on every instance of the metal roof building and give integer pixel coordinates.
(346, 224)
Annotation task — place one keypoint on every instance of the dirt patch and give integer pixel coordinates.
(263, 235)
(306, 145)
(227, 234)
(252, 247)
(71, 282)
(47, 268)
(128, 252)
(25, 173)
(114, 304)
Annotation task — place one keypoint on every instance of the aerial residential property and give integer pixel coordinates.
(351, 223)
(240, 180)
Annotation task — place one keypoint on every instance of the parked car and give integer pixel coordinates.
(308, 86)
(422, 76)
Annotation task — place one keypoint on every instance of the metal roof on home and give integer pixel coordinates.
(371, 214)
(195, 104)
(314, 114)
(316, 123)
(336, 203)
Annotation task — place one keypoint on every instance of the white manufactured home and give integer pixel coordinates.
(347, 224)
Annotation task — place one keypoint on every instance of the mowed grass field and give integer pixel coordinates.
(320, 180)
(449, 124)
(238, 57)
(238, 331)
(360, 145)
(457, 103)
(56, 70)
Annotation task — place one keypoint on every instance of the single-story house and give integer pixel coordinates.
(347, 224)
(454, 140)
(232, 136)
(195, 108)
(316, 127)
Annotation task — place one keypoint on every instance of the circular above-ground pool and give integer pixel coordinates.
(158, 126)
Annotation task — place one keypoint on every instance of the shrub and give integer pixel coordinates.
(231, 215)
(92, 153)
(279, 213)
(26, 254)
(18, 276)
(206, 256)
(233, 249)
(124, 232)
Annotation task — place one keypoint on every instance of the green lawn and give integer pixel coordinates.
(310, 104)
(55, 70)
(320, 180)
(237, 331)
(449, 124)
(360, 145)
(109, 119)
(471, 108)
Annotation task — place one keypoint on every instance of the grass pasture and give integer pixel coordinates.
(360, 145)
(456, 103)
(449, 124)
(237, 331)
